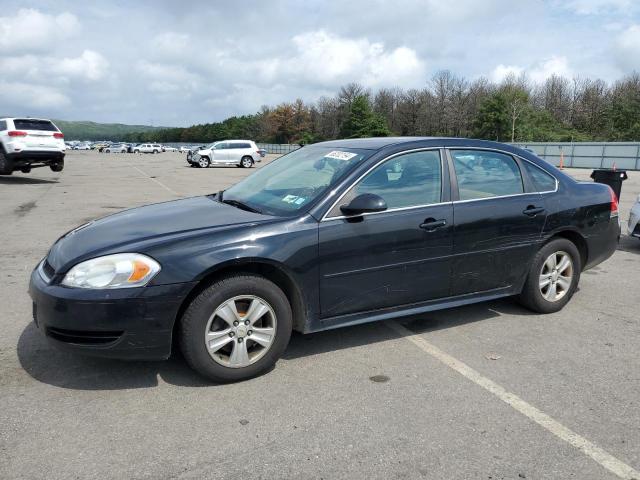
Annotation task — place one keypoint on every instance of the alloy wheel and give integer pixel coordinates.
(556, 276)
(240, 331)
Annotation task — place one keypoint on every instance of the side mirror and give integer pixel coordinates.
(364, 203)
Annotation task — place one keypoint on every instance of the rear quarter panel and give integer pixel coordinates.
(585, 208)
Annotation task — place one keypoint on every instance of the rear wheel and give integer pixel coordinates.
(6, 166)
(553, 277)
(236, 328)
(246, 162)
(57, 167)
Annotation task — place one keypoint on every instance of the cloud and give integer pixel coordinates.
(89, 65)
(21, 95)
(32, 31)
(171, 45)
(627, 48)
(328, 59)
(555, 65)
(594, 7)
(538, 73)
(502, 71)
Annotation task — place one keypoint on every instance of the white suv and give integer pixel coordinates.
(148, 148)
(27, 143)
(242, 153)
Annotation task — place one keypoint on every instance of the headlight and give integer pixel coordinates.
(122, 270)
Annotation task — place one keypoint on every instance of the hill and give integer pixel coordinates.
(84, 130)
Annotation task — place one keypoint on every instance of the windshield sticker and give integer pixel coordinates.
(294, 199)
(338, 155)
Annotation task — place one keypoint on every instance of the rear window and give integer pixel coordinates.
(31, 124)
(542, 181)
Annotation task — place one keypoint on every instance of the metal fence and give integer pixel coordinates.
(624, 155)
(280, 148)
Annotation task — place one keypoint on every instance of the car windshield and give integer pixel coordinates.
(294, 181)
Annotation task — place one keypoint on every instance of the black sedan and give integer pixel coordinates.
(333, 234)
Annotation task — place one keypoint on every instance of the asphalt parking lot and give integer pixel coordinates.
(489, 391)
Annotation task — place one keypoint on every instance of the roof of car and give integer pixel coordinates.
(377, 143)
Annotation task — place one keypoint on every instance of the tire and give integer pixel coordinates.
(555, 294)
(224, 363)
(57, 167)
(136, 151)
(155, 151)
(246, 162)
(6, 165)
(203, 162)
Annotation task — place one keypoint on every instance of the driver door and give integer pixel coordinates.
(395, 257)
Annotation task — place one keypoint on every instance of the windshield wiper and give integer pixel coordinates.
(241, 205)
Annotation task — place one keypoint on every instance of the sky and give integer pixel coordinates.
(180, 63)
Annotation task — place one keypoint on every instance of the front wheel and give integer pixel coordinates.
(203, 162)
(553, 277)
(236, 328)
(136, 151)
(246, 162)
(57, 167)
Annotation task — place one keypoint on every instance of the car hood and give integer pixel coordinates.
(147, 225)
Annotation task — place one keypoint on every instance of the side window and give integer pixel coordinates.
(485, 174)
(408, 180)
(542, 181)
(222, 146)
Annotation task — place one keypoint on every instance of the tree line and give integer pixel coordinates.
(515, 109)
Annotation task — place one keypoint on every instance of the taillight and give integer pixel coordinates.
(17, 133)
(58, 135)
(614, 204)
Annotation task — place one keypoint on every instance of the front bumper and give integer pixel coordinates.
(127, 323)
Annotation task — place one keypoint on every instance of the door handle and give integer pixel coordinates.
(431, 224)
(532, 211)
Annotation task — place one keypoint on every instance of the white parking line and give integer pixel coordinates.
(158, 182)
(604, 458)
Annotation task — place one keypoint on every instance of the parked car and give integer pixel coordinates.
(82, 146)
(185, 149)
(333, 234)
(262, 152)
(166, 148)
(27, 143)
(148, 148)
(633, 227)
(241, 153)
(116, 148)
(191, 152)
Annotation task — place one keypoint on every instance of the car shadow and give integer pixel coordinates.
(51, 366)
(629, 244)
(26, 181)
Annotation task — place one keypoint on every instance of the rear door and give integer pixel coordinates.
(38, 134)
(395, 257)
(498, 220)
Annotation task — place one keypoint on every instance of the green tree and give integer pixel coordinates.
(492, 122)
(361, 121)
